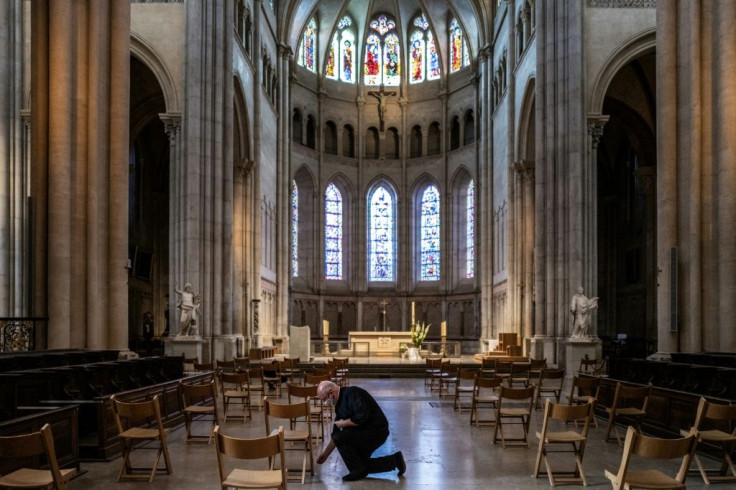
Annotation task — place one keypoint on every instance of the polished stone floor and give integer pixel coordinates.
(440, 447)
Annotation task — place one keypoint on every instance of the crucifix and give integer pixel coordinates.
(383, 314)
(381, 96)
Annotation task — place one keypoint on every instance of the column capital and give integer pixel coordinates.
(172, 124)
(525, 169)
(596, 122)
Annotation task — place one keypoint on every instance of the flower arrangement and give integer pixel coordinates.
(419, 332)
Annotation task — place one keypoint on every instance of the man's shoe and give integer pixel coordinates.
(400, 463)
(359, 475)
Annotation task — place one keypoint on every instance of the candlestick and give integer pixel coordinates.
(443, 329)
(325, 327)
(412, 313)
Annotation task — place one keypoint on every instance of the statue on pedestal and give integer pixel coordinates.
(581, 307)
(189, 303)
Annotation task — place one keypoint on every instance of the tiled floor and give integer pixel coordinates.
(441, 450)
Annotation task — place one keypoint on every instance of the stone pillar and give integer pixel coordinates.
(283, 187)
(81, 63)
(590, 256)
(647, 176)
(524, 171)
(484, 191)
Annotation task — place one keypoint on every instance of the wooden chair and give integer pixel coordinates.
(520, 373)
(315, 379)
(341, 373)
(316, 410)
(273, 377)
(588, 366)
(291, 369)
(710, 420)
(198, 400)
(256, 384)
(488, 367)
(653, 448)
(630, 402)
(464, 387)
(448, 377)
(271, 447)
(484, 395)
(535, 369)
(242, 363)
(189, 363)
(129, 418)
(293, 412)
(432, 370)
(31, 446)
(437, 376)
(583, 390)
(226, 366)
(514, 404)
(208, 366)
(576, 440)
(550, 382)
(503, 368)
(236, 390)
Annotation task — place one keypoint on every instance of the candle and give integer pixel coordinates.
(325, 328)
(443, 329)
(412, 312)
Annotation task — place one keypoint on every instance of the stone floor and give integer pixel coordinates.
(440, 447)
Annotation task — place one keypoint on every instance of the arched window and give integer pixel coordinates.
(470, 231)
(454, 133)
(459, 52)
(415, 143)
(423, 55)
(294, 229)
(311, 132)
(382, 63)
(296, 127)
(308, 47)
(330, 138)
(348, 141)
(434, 139)
(469, 130)
(392, 143)
(429, 234)
(371, 143)
(341, 54)
(382, 234)
(333, 233)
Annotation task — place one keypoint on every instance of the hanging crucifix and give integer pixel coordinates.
(383, 314)
(381, 96)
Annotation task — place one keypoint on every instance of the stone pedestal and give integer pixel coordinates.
(188, 346)
(543, 348)
(299, 344)
(577, 349)
(226, 346)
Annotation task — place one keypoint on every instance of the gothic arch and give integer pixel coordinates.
(524, 133)
(627, 51)
(147, 54)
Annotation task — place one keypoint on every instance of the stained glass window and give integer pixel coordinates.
(423, 56)
(470, 232)
(430, 235)
(340, 61)
(382, 235)
(382, 63)
(308, 47)
(294, 230)
(459, 52)
(333, 232)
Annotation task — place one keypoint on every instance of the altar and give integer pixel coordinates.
(381, 343)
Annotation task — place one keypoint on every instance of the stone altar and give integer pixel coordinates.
(381, 343)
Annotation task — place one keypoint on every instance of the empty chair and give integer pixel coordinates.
(133, 420)
(226, 366)
(292, 371)
(316, 411)
(256, 385)
(464, 387)
(236, 390)
(189, 363)
(28, 446)
(710, 420)
(208, 366)
(630, 402)
(298, 439)
(198, 400)
(514, 407)
(584, 389)
(273, 377)
(535, 369)
(271, 447)
(448, 377)
(550, 382)
(653, 448)
(339, 365)
(587, 365)
(575, 440)
(484, 396)
(488, 367)
(432, 370)
(437, 376)
(520, 373)
(241, 363)
(503, 369)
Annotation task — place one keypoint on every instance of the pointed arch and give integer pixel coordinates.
(426, 215)
(337, 198)
(146, 53)
(381, 219)
(463, 232)
(303, 228)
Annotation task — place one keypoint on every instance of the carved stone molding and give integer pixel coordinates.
(595, 128)
(244, 166)
(622, 4)
(172, 125)
(525, 169)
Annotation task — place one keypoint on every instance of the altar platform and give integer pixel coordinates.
(392, 367)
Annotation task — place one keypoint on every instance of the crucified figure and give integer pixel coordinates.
(381, 96)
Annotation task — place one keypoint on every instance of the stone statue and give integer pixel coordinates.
(581, 307)
(148, 326)
(189, 303)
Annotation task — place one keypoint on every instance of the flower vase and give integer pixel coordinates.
(413, 353)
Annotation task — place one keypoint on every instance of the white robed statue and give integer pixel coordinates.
(189, 304)
(581, 307)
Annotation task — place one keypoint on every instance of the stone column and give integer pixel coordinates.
(590, 256)
(172, 127)
(647, 176)
(284, 190)
(81, 63)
